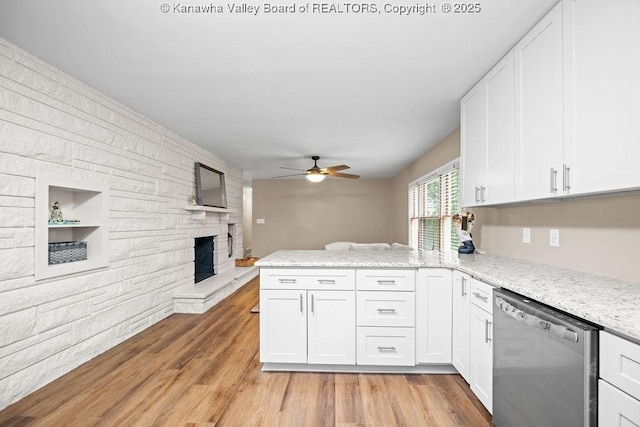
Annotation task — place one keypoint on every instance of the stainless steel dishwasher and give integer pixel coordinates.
(545, 365)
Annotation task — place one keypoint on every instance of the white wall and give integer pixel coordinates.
(49, 121)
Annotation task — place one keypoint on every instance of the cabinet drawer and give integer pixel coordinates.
(616, 408)
(482, 295)
(620, 363)
(386, 346)
(301, 278)
(386, 308)
(382, 280)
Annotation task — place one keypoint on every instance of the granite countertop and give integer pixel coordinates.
(612, 304)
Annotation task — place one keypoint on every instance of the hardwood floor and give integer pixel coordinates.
(204, 370)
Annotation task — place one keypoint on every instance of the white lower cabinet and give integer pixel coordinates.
(461, 340)
(433, 315)
(386, 317)
(283, 326)
(481, 343)
(307, 316)
(302, 326)
(331, 327)
(369, 317)
(616, 408)
(619, 386)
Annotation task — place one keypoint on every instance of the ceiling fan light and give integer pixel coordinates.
(315, 177)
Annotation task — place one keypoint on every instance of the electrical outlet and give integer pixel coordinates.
(260, 221)
(554, 237)
(526, 235)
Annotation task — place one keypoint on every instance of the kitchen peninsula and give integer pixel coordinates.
(425, 312)
(610, 303)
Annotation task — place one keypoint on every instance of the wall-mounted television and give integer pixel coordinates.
(210, 187)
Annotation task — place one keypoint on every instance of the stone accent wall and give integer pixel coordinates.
(52, 122)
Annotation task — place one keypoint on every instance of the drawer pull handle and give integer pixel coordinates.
(386, 282)
(287, 280)
(327, 281)
(481, 297)
(463, 287)
(386, 310)
(386, 348)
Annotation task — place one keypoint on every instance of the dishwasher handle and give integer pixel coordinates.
(535, 321)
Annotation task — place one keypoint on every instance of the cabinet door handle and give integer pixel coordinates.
(552, 179)
(478, 295)
(565, 177)
(287, 280)
(312, 303)
(482, 193)
(386, 348)
(463, 286)
(327, 281)
(487, 328)
(301, 304)
(386, 310)
(477, 197)
(386, 282)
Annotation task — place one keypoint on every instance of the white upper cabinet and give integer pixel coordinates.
(601, 95)
(487, 137)
(500, 132)
(538, 111)
(575, 121)
(473, 133)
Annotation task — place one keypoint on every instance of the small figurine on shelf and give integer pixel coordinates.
(464, 224)
(193, 200)
(56, 213)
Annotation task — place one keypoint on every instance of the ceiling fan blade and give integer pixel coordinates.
(343, 175)
(337, 168)
(293, 169)
(285, 176)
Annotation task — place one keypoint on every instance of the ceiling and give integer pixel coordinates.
(370, 90)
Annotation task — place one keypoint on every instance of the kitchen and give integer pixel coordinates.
(592, 228)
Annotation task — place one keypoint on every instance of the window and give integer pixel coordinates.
(433, 200)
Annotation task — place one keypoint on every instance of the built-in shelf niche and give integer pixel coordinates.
(81, 200)
(200, 212)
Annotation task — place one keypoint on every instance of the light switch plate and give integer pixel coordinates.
(260, 221)
(526, 235)
(554, 237)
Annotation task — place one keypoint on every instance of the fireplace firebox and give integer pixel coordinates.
(204, 258)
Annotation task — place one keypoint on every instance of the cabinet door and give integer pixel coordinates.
(616, 408)
(538, 113)
(283, 326)
(499, 181)
(433, 315)
(332, 327)
(481, 365)
(473, 119)
(601, 75)
(460, 350)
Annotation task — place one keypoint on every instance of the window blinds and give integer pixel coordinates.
(432, 203)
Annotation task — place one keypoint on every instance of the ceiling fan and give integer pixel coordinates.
(317, 174)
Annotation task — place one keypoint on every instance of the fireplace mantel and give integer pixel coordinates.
(200, 212)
